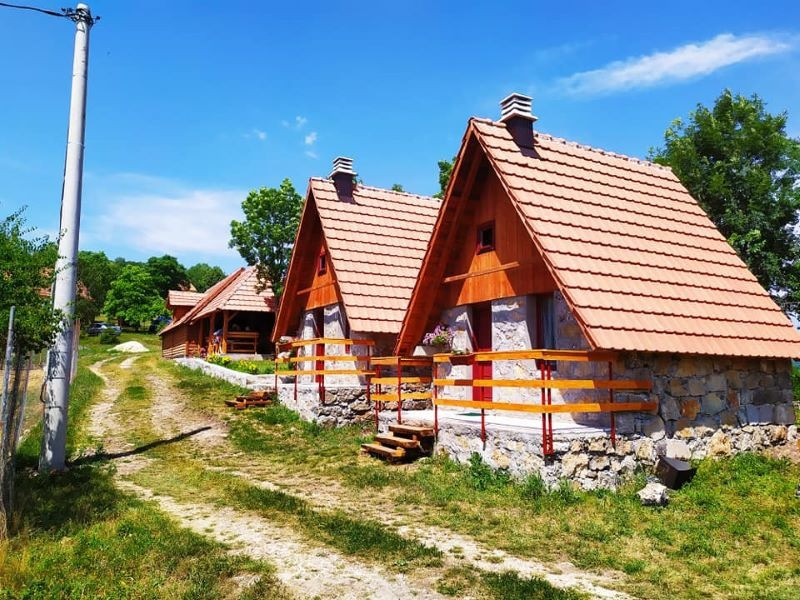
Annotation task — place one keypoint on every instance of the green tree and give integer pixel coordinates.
(133, 297)
(445, 170)
(202, 276)
(167, 273)
(95, 274)
(740, 165)
(397, 187)
(266, 236)
(26, 275)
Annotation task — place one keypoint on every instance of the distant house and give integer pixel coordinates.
(180, 302)
(355, 260)
(231, 317)
(600, 273)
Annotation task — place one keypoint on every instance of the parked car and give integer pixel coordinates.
(98, 327)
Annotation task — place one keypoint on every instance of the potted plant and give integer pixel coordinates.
(461, 357)
(441, 338)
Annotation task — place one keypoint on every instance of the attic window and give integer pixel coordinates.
(485, 238)
(322, 264)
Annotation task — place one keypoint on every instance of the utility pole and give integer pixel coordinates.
(59, 361)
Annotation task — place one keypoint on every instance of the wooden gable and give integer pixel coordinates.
(455, 271)
(307, 286)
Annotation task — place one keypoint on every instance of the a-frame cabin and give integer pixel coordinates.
(591, 289)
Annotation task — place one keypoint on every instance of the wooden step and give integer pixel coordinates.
(411, 430)
(384, 451)
(388, 439)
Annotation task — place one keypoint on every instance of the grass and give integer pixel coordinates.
(75, 535)
(733, 532)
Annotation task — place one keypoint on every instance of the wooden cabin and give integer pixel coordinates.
(231, 317)
(355, 260)
(591, 289)
(179, 302)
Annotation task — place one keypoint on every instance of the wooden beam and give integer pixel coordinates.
(505, 267)
(392, 396)
(348, 358)
(565, 355)
(393, 380)
(324, 372)
(552, 408)
(308, 290)
(313, 341)
(555, 384)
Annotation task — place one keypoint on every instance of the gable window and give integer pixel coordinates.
(322, 263)
(485, 237)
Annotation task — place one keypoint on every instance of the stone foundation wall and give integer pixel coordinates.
(590, 460)
(342, 405)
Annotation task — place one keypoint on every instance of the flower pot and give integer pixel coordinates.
(462, 359)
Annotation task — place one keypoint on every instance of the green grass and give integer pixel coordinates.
(74, 535)
(78, 536)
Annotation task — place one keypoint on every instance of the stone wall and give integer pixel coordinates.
(252, 382)
(342, 405)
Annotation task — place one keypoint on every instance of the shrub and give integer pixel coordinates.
(109, 336)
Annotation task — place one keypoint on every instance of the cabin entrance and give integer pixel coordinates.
(482, 342)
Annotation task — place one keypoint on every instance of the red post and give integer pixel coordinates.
(549, 415)
(399, 390)
(483, 428)
(435, 391)
(544, 415)
(611, 400)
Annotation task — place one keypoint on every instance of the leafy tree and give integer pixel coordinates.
(396, 187)
(167, 273)
(445, 170)
(26, 274)
(202, 276)
(266, 236)
(738, 162)
(95, 274)
(133, 297)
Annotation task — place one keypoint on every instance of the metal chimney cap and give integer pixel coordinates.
(343, 165)
(516, 105)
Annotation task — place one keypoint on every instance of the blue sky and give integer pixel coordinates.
(192, 104)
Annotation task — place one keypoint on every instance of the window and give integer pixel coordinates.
(322, 263)
(485, 238)
(545, 317)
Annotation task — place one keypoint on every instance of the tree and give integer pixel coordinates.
(167, 273)
(738, 163)
(133, 297)
(202, 276)
(445, 170)
(95, 274)
(26, 274)
(397, 187)
(266, 236)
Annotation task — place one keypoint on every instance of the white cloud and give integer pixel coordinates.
(157, 215)
(679, 64)
(311, 154)
(257, 134)
(311, 138)
(300, 121)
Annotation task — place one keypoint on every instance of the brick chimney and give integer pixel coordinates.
(343, 176)
(516, 111)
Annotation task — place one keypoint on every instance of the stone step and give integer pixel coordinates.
(411, 430)
(383, 451)
(388, 439)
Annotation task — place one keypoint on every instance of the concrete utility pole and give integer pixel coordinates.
(53, 455)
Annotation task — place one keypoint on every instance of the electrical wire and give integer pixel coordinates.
(34, 8)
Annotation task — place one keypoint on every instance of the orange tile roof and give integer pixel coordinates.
(236, 292)
(376, 244)
(182, 298)
(639, 262)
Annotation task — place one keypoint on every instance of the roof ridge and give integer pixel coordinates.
(566, 142)
(380, 189)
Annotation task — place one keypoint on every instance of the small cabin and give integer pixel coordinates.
(355, 260)
(599, 318)
(232, 317)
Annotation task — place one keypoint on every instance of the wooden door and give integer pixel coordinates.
(482, 342)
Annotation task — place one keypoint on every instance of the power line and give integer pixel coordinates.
(67, 13)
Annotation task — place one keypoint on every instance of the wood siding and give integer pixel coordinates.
(513, 268)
